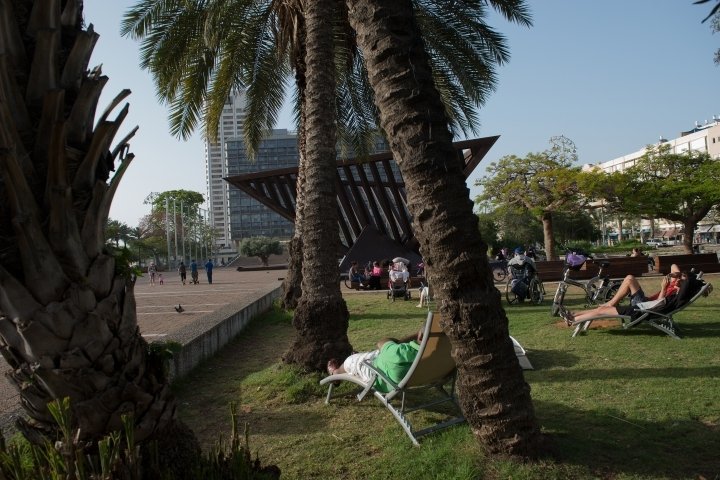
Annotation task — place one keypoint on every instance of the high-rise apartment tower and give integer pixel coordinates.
(218, 191)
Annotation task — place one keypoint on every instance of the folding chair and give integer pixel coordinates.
(433, 367)
(661, 316)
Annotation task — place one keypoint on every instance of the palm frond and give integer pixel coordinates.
(265, 80)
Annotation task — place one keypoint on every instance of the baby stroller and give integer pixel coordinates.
(524, 283)
(399, 279)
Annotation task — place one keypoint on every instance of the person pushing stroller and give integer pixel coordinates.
(194, 272)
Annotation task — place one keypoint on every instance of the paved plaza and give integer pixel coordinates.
(158, 319)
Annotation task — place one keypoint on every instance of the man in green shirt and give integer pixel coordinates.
(393, 357)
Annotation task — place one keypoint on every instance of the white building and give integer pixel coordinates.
(702, 138)
(218, 191)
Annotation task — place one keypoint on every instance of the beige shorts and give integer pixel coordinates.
(354, 364)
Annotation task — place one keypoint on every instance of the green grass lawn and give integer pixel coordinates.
(619, 404)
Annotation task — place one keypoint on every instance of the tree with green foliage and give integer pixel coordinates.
(176, 211)
(543, 183)
(261, 247)
(68, 326)
(575, 225)
(174, 199)
(680, 187)
(117, 231)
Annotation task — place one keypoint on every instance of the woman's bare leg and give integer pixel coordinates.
(628, 286)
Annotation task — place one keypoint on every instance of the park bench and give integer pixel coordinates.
(552, 270)
(620, 266)
(705, 262)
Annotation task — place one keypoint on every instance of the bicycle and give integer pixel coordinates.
(599, 288)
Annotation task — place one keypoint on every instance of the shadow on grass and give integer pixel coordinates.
(544, 359)
(612, 442)
(684, 330)
(624, 374)
(274, 422)
(420, 314)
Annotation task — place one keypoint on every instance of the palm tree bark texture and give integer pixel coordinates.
(493, 393)
(292, 285)
(321, 317)
(68, 326)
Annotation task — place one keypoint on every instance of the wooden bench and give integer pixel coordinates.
(620, 266)
(550, 271)
(706, 262)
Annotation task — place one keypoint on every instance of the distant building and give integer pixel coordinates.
(701, 138)
(216, 168)
(248, 217)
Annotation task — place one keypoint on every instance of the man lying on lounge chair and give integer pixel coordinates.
(669, 286)
(393, 357)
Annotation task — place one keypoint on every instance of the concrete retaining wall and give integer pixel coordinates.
(207, 342)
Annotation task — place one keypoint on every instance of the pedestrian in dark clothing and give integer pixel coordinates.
(183, 272)
(208, 269)
(194, 272)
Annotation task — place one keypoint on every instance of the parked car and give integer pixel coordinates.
(656, 242)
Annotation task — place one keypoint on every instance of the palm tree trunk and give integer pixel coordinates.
(68, 326)
(494, 395)
(321, 317)
(292, 285)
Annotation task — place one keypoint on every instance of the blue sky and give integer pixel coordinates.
(612, 76)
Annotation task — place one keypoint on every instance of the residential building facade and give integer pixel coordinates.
(216, 168)
(701, 138)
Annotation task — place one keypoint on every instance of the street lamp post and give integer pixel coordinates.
(182, 226)
(167, 229)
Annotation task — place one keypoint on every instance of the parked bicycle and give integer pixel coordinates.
(598, 289)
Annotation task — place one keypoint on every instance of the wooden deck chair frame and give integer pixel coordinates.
(433, 367)
(661, 321)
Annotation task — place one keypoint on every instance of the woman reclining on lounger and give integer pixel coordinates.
(670, 285)
(393, 357)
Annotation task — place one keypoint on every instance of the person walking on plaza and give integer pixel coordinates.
(208, 269)
(152, 270)
(183, 272)
(194, 272)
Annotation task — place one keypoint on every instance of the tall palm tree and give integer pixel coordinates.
(198, 51)
(68, 325)
(494, 395)
(252, 44)
(316, 339)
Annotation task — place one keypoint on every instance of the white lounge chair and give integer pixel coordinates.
(433, 367)
(660, 317)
